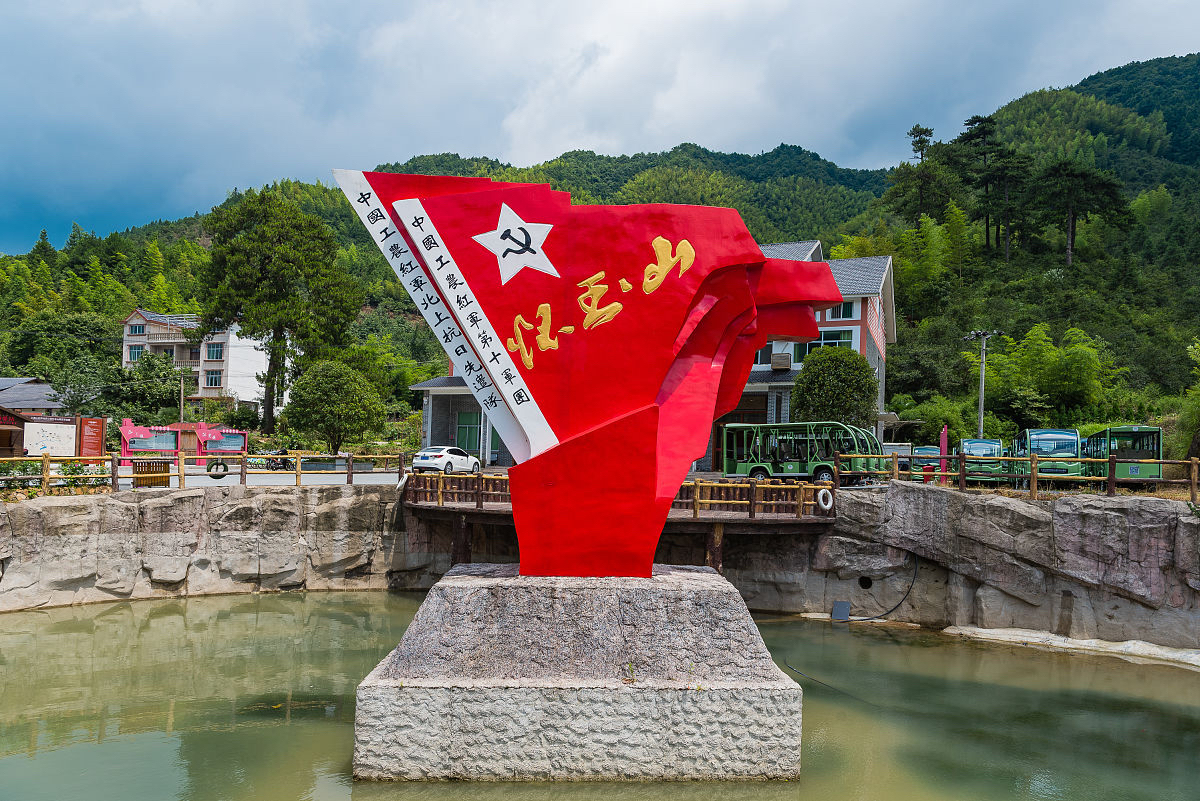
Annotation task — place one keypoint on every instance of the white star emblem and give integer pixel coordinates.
(517, 244)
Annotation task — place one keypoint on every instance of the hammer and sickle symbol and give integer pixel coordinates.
(522, 247)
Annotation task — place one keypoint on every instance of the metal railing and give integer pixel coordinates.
(961, 472)
(752, 497)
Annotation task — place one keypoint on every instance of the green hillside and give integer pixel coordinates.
(1166, 86)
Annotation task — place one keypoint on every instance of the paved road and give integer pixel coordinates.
(280, 479)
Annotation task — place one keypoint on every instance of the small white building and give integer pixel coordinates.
(225, 364)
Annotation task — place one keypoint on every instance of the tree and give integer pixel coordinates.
(78, 382)
(836, 384)
(920, 137)
(336, 403)
(979, 139)
(1070, 192)
(929, 185)
(1027, 379)
(273, 272)
(956, 245)
(42, 251)
(1009, 174)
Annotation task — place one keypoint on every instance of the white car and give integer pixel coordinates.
(446, 459)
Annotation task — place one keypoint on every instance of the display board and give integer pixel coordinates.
(92, 431)
(56, 439)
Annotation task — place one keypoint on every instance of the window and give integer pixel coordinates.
(212, 378)
(467, 433)
(843, 312)
(169, 352)
(839, 339)
(216, 351)
(135, 352)
(194, 354)
(137, 329)
(763, 355)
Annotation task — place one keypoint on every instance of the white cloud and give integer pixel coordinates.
(120, 112)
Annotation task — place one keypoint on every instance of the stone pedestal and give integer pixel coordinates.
(507, 677)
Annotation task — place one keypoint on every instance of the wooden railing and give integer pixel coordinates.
(959, 472)
(70, 473)
(728, 496)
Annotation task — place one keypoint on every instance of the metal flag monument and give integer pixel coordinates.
(601, 342)
(601, 336)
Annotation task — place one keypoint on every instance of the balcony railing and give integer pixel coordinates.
(170, 336)
(188, 364)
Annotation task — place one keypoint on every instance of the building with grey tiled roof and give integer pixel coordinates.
(5, 383)
(28, 395)
(865, 321)
(807, 250)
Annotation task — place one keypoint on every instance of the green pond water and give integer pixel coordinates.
(252, 697)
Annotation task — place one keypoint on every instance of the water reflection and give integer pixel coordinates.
(251, 697)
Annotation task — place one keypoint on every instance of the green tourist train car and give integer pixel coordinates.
(984, 471)
(797, 450)
(1125, 442)
(1048, 443)
(925, 458)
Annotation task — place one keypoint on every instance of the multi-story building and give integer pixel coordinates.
(225, 364)
(865, 321)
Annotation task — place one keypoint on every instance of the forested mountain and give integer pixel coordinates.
(1068, 218)
(1167, 86)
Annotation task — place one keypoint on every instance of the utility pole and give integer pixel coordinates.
(181, 397)
(983, 337)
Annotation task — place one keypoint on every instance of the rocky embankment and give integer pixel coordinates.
(163, 543)
(1084, 567)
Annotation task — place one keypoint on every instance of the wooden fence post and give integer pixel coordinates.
(180, 468)
(895, 466)
(350, 468)
(460, 549)
(714, 550)
(1112, 475)
(837, 469)
(1033, 477)
(962, 471)
(45, 473)
(753, 496)
(479, 490)
(695, 499)
(242, 474)
(1195, 478)
(441, 484)
(114, 466)
(299, 462)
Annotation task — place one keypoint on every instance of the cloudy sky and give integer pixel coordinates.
(118, 112)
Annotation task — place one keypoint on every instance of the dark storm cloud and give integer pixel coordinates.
(123, 112)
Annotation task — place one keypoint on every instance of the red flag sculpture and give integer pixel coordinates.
(601, 342)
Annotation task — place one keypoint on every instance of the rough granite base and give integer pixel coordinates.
(511, 678)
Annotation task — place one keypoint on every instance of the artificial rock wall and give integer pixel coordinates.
(1082, 566)
(164, 543)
